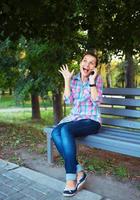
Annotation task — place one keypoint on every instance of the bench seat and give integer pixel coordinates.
(118, 141)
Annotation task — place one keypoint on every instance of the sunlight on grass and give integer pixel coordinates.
(7, 101)
(24, 117)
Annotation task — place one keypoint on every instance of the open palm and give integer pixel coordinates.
(65, 72)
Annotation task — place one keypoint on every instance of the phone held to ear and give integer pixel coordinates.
(92, 73)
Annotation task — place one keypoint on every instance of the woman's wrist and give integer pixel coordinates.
(92, 85)
(67, 80)
(92, 82)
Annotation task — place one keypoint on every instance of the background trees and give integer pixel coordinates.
(114, 26)
(57, 32)
(8, 65)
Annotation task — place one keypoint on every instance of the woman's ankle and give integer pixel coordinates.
(80, 174)
(70, 184)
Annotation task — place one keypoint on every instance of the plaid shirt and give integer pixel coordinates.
(84, 107)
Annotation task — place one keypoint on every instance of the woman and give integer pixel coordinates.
(84, 91)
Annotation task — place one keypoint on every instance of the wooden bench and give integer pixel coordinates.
(120, 130)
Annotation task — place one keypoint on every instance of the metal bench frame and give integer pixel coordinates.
(120, 131)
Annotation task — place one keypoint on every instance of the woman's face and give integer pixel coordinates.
(87, 65)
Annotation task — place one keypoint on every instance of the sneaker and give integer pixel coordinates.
(81, 181)
(69, 192)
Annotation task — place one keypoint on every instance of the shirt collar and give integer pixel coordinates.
(78, 77)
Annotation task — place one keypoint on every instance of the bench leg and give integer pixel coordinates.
(49, 149)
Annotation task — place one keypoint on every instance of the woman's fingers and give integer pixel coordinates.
(72, 72)
(64, 67)
(67, 67)
(60, 71)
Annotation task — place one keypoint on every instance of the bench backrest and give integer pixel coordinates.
(121, 107)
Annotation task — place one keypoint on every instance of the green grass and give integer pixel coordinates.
(121, 171)
(24, 117)
(7, 101)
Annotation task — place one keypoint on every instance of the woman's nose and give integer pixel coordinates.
(87, 64)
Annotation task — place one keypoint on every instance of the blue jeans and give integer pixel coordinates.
(63, 136)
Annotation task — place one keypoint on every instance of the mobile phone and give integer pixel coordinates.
(92, 73)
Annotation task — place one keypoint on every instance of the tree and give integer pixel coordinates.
(114, 26)
(32, 62)
(55, 22)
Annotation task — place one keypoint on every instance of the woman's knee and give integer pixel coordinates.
(65, 129)
(55, 133)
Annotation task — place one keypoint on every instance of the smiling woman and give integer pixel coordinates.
(88, 65)
(84, 91)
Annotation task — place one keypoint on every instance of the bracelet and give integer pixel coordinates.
(92, 85)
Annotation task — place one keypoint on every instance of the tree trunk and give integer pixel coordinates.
(3, 92)
(35, 106)
(10, 91)
(129, 75)
(108, 77)
(57, 106)
(129, 70)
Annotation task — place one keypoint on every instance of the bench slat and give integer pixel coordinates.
(92, 138)
(122, 91)
(121, 101)
(121, 138)
(120, 133)
(118, 146)
(121, 123)
(121, 112)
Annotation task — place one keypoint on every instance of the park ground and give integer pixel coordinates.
(25, 144)
(22, 142)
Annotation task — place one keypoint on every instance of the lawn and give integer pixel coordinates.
(8, 101)
(24, 117)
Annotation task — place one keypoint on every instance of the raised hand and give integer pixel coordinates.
(65, 72)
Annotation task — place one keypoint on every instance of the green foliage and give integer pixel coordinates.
(119, 74)
(31, 66)
(8, 64)
(121, 172)
(56, 33)
(39, 61)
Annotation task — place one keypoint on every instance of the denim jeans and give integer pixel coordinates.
(63, 136)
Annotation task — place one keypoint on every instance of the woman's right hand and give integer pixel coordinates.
(66, 73)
